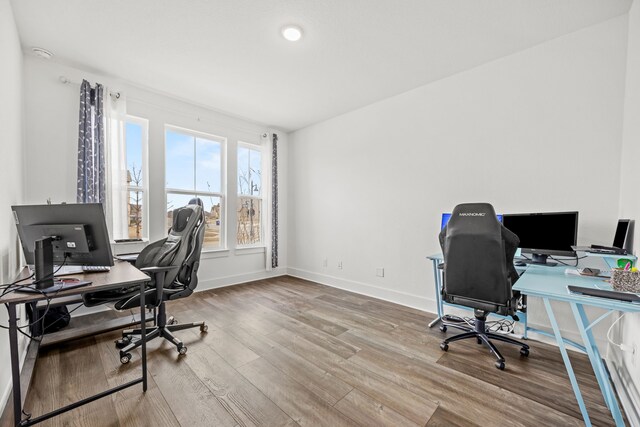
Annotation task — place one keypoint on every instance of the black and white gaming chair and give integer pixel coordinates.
(479, 273)
(172, 262)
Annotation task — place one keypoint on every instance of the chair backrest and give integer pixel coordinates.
(182, 248)
(477, 259)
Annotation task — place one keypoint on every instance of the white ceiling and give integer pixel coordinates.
(229, 55)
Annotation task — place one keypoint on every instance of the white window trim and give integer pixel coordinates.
(223, 181)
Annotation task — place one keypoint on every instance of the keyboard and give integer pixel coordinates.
(76, 269)
(603, 293)
(607, 250)
(95, 268)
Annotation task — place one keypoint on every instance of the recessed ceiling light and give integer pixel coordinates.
(293, 33)
(42, 53)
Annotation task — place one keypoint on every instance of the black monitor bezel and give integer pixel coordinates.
(91, 214)
(542, 251)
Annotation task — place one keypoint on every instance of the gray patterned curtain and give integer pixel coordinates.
(91, 159)
(274, 203)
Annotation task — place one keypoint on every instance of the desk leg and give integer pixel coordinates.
(567, 362)
(15, 364)
(143, 334)
(438, 287)
(596, 362)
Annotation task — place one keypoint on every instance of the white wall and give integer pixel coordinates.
(11, 171)
(51, 137)
(627, 366)
(539, 130)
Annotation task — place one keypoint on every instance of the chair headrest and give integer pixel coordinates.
(196, 201)
(477, 218)
(182, 216)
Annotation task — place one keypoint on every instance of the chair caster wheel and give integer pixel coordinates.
(500, 365)
(172, 321)
(443, 328)
(479, 341)
(524, 352)
(204, 328)
(444, 346)
(122, 343)
(125, 358)
(182, 350)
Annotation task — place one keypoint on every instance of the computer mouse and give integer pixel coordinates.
(520, 264)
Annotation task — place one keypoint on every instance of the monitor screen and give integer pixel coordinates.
(79, 232)
(621, 233)
(447, 216)
(545, 233)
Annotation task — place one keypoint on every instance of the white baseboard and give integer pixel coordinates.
(236, 279)
(414, 301)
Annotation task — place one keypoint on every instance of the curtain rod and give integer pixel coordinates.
(65, 80)
(116, 95)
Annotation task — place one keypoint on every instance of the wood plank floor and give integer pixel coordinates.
(286, 352)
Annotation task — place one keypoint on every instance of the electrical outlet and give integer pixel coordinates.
(325, 262)
(380, 272)
(339, 265)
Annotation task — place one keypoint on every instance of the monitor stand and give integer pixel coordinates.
(540, 259)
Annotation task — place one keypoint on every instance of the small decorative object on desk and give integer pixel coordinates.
(625, 280)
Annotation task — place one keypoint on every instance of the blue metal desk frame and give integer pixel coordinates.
(551, 284)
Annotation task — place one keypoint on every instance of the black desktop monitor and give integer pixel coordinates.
(544, 234)
(623, 234)
(73, 234)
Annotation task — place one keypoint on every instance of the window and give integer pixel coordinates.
(249, 227)
(194, 168)
(129, 188)
(135, 180)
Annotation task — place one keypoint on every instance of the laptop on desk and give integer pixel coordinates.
(621, 245)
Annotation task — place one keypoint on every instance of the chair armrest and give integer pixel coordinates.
(158, 277)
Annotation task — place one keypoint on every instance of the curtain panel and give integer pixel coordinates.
(274, 201)
(91, 150)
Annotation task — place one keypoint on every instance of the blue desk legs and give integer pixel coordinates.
(438, 286)
(567, 362)
(596, 362)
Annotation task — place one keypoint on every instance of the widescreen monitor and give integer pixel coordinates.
(544, 234)
(447, 216)
(78, 232)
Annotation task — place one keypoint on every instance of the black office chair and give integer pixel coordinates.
(172, 263)
(479, 272)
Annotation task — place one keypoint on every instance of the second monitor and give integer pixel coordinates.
(544, 234)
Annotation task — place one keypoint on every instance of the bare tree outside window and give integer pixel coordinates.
(136, 197)
(249, 206)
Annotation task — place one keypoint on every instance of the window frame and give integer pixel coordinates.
(260, 148)
(223, 141)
